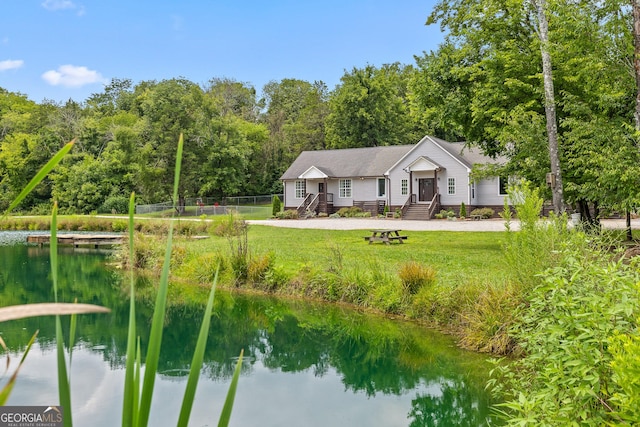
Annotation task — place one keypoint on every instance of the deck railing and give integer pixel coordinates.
(405, 207)
(313, 205)
(434, 206)
(302, 207)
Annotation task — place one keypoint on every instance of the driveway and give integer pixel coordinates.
(432, 225)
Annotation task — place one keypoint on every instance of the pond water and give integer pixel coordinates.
(306, 364)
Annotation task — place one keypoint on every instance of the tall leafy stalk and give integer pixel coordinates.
(155, 336)
(64, 391)
(131, 390)
(137, 402)
(198, 356)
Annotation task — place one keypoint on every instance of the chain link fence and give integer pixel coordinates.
(244, 205)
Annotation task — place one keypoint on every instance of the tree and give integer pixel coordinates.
(496, 59)
(370, 108)
(295, 116)
(550, 107)
(234, 98)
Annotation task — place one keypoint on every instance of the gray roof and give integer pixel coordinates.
(348, 162)
(466, 155)
(375, 161)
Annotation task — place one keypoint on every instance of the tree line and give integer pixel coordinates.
(483, 85)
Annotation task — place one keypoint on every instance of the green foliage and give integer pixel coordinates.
(535, 247)
(115, 205)
(445, 213)
(485, 213)
(258, 269)
(349, 212)
(463, 210)
(370, 108)
(564, 331)
(625, 364)
(414, 276)
(288, 214)
(276, 207)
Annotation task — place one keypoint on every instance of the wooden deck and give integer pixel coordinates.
(76, 240)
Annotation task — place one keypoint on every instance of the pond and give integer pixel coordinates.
(306, 364)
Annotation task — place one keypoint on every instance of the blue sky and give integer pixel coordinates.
(62, 49)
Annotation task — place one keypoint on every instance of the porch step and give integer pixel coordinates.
(417, 212)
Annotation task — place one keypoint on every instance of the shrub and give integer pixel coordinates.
(564, 330)
(483, 212)
(445, 213)
(414, 276)
(276, 207)
(625, 350)
(349, 212)
(288, 214)
(463, 210)
(115, 204)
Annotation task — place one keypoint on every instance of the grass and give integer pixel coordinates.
(456, 256)
(467, 274)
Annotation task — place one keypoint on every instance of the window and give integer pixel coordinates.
(381, 187)
(301, 189)
(345, 188)
(451, 186)
(504, 185)
(473, 189)
(404, 185)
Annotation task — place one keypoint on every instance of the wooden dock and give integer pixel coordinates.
(77, 240)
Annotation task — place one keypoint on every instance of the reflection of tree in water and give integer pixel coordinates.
(370, 354)
(455, 403)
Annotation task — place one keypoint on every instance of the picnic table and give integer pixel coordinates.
(385, 236)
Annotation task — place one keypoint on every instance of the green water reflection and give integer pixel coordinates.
(307, 364)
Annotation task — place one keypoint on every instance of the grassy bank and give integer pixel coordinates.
(111, 224)
(435, 277)
(457, 281)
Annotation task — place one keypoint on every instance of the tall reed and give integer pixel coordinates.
(137, 395)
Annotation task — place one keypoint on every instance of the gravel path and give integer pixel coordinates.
(432, 225)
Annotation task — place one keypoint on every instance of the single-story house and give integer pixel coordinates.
(419, 180)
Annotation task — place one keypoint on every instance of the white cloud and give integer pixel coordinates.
(11, 64)
(72, 76)
(58, 4)
(54, 5)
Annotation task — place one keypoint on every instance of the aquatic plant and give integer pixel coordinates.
(138, 392)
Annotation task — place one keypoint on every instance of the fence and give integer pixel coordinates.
(245, 205)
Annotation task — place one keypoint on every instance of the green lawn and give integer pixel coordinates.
(456, 256)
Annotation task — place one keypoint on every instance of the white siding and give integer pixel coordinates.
(488, 192)
(290, 194)
(451, 168)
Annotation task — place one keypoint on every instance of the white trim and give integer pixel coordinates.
(384, 187)
(350, 188)
(295, 188)
(404, 189)
(313, 173)
(427, 138)
(430, 165)
(451, 181)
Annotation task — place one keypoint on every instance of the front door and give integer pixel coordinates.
(426, 189)
(321, 187)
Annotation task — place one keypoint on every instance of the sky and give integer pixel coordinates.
(69, 49)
